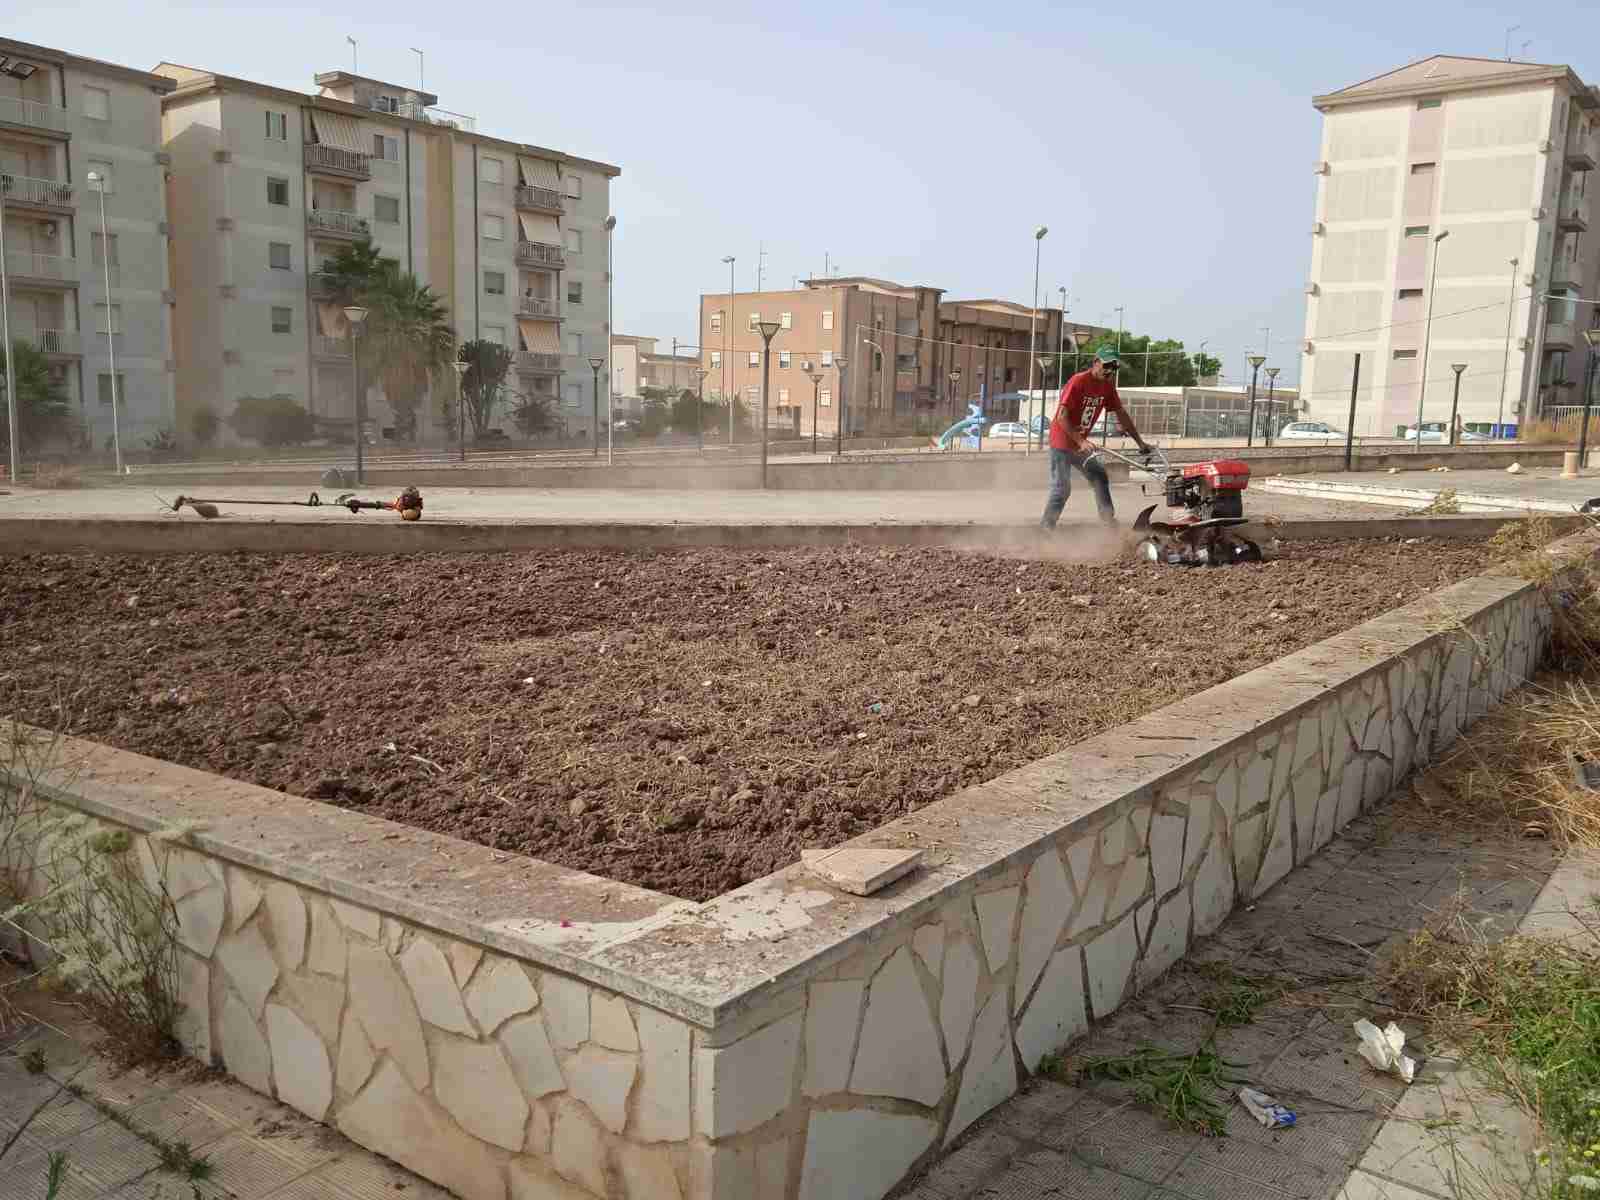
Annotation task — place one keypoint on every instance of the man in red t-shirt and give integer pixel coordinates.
(1086, 395)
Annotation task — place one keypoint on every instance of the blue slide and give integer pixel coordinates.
(964, 432)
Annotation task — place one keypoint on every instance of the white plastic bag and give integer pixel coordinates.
(1383, 1049)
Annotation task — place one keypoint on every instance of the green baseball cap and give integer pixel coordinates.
(1107, 355)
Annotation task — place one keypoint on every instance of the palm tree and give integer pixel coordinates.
(408, 343)
(355, 269)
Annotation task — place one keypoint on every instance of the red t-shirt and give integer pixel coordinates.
(1081, 403)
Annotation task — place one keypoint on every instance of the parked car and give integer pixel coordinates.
(1313, 431)
(1435, 431)
(1003, 431)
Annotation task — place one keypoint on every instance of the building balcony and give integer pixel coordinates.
(539, 199)
(27, 269)
(1561, 335)
(1579, 157)
(529, 363)
(538, 306)
(324, 346)
(42, 195)
(59, 343)
(33, 116)
(336, 223)
(331, 160)
(540, 254)
(1572, 222)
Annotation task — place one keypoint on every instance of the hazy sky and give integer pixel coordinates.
(1168, 146)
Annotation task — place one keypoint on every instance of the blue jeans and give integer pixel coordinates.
(1062, 464)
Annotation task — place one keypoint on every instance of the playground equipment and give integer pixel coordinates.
(967, 432)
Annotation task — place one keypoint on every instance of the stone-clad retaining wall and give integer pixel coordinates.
(512, 1029)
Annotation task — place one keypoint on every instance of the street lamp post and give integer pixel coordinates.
(356, 316)
(1505, 366)
(96, 182)
(727, 350)
(1255, 361)
(700, 374)
(1272, 403)
(816, 406)
(461, 407)
(1455, 400)
(1061, 339)
(1033, 332)
(5, 346)
(594, 434)
(611, 291)
(1592, 336)
(769, 330)
(1427, 334)
(839, 406)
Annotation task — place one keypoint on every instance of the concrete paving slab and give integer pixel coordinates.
(1362, 1186)
(1565, 908)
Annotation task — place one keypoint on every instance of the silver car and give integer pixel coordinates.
(1309, 431)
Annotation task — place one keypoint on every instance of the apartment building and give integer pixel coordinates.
(64, 118)
(992, 341)
(268, 183)
(884, 351)
(639, 365)
(1476, 173)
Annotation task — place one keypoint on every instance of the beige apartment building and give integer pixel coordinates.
(268, 183)
(1475, 172)
(63, 118)
(884, 352)
(639, 365)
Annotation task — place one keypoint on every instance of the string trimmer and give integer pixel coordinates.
(1210, 497)
(408, 504)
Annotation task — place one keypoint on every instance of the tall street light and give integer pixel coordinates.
(1255, 361)
(5, 344)
(1061, 339)
(461, 408)
(1505, 366)
(1455, 400)
(594, 366)
(769, 330)
(816, 406)
(1592, 336)
(1033, 335)
(727, 349)
(1272, 403)
(356, 316)
(1427, 335)
(99, 185)
(611, 328)
(839, 405)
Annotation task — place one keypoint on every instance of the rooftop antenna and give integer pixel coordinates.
(354, 70)
(422, 77)
(1524, 55)
(1512, 29)
(761, 263)
(825, 264)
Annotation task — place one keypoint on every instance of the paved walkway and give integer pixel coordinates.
(1360, 1135)
(1535, 487)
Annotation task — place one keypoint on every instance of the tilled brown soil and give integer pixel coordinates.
(686, 721)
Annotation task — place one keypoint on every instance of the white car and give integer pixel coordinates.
(1309, 431)
(1434, 431)
(1014, 431)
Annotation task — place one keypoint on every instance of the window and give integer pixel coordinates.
(106, 392)
(386, 209)
(278, 256)
(755, 322)
(755, 358)
(1410, 293)
(282, 319)
(277, 126)
(97, 104)
(1422, 168)
(716, 359)
(574, 186)
(1403, 354)
(494, 228)
(494, 334)
(100, 167)
(491, 170)
(104, 250)
(574, 241)
(1434, 103)
(825, 397)
(1416, 231)
(786, 320)
(386, 147)
(388, 104)
(100, 319)
(277, 191)
(574, 395)
(752, 394)
(716, 322)
(783, 358)
(494, 283)
(827, 358)
(574, 292)
(783, 396)
(575, 344)
(827, 318)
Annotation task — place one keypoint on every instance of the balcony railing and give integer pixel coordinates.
(330, 347)
(55, 267)
(336, 222)
(59, 341)
(541, 254)
(24, 189)
(539, 199)
(537, 306)
(528, 360)
(333, 160)
(33, 114)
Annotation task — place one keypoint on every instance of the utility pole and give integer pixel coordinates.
(761, 264)
(1505, 366)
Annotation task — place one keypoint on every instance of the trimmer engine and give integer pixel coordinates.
(1210, 496)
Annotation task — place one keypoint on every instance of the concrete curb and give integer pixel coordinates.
(1404, 497)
